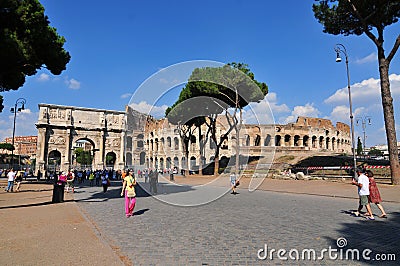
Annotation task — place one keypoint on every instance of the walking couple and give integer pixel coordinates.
(368, 193)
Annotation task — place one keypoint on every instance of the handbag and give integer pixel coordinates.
(131, 193)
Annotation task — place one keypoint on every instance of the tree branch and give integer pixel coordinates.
(394, 49)
(365, 25)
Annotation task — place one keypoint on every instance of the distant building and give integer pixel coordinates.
(24, 145)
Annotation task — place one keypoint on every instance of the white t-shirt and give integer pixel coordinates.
(11, 176)
(364, 190)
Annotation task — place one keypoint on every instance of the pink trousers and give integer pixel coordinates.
(129, 204)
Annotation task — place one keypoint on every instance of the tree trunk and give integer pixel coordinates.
(201, 152)
(216, 165)
(388, 113)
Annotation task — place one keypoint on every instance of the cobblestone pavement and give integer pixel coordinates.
(232, 229)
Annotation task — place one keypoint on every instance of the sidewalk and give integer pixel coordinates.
(33, 231)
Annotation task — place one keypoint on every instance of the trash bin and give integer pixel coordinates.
(58, 193)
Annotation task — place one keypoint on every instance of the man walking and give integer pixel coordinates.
(363, 192)
(11, 177)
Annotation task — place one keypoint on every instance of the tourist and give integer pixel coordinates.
(234, 183)
(128, 190)
(363, 191)
(374, 195)
(146, 175)
(18, 180)
(153, 181)
(70, 181)
(105, 182)
(10, 177)
(91, 179)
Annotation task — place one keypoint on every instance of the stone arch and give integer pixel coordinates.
(168, 164)
(168, 142)
(257, 140)
(306, 139)
(176, 162)
(321, 142)
(111, 158)
(129, 142)
(287, 140)
(162, 163)
(246, 140)
(176, 143)
(314, 142)
(267, 140)
(278, 139)
(54, 161)
(193, 162)
(129, 159)
(296, 140)
(142, 157)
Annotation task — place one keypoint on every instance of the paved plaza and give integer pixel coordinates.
(232, 229)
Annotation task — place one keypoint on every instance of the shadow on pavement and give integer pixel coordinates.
(140, 212)
(381, 236)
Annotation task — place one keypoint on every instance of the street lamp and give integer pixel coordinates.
(364, 120)
(339, 48)
(14, 110)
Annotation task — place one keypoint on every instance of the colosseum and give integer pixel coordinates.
(164, 147)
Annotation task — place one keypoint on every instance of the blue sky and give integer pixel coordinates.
(117, 46)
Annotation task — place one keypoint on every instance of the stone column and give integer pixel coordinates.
(122, 150)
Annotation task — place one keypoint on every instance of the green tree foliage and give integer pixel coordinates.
(83, 157)
(6, 146)
(369, 17)
(359, 146)
(27, 43)
(375, 152)
(211, 91)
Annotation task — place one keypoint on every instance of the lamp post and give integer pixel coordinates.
(364, 120)
(14, 110)
(339, 48)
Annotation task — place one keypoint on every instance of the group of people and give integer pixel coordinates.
(12, 178)
(368, 193)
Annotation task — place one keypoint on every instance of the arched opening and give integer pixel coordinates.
(278, 140)
(287, 140)
(176, 143)
(169, 142)
(184, 163)
(129, 143)
(314, 142)
(267, 141)
(111, 157)
(247, 140)
(83, 153)
(296, 140)
(54, 161)
(192, 162)
(142, 157)
(257, 140)
(176, 162)
(168, 164)
(128, 159)
(321, 142)
(306, 140)
(162, 163)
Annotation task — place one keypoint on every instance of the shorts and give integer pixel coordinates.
(363, 200)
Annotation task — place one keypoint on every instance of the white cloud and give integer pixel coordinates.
(73, 84)
(368, 59)
(365, 92)
(307, 110)
(43, 77)
(126, 95)
(144, 107)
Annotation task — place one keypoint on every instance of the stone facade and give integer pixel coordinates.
(138, 140)
(164, 148)
(59, 127)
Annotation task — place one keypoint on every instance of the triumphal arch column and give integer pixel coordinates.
(61, 127)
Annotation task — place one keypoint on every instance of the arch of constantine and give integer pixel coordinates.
(61, 127)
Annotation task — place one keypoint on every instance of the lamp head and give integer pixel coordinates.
(338, 59)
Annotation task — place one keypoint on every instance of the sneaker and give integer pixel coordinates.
(356, 214)
(370, 218)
